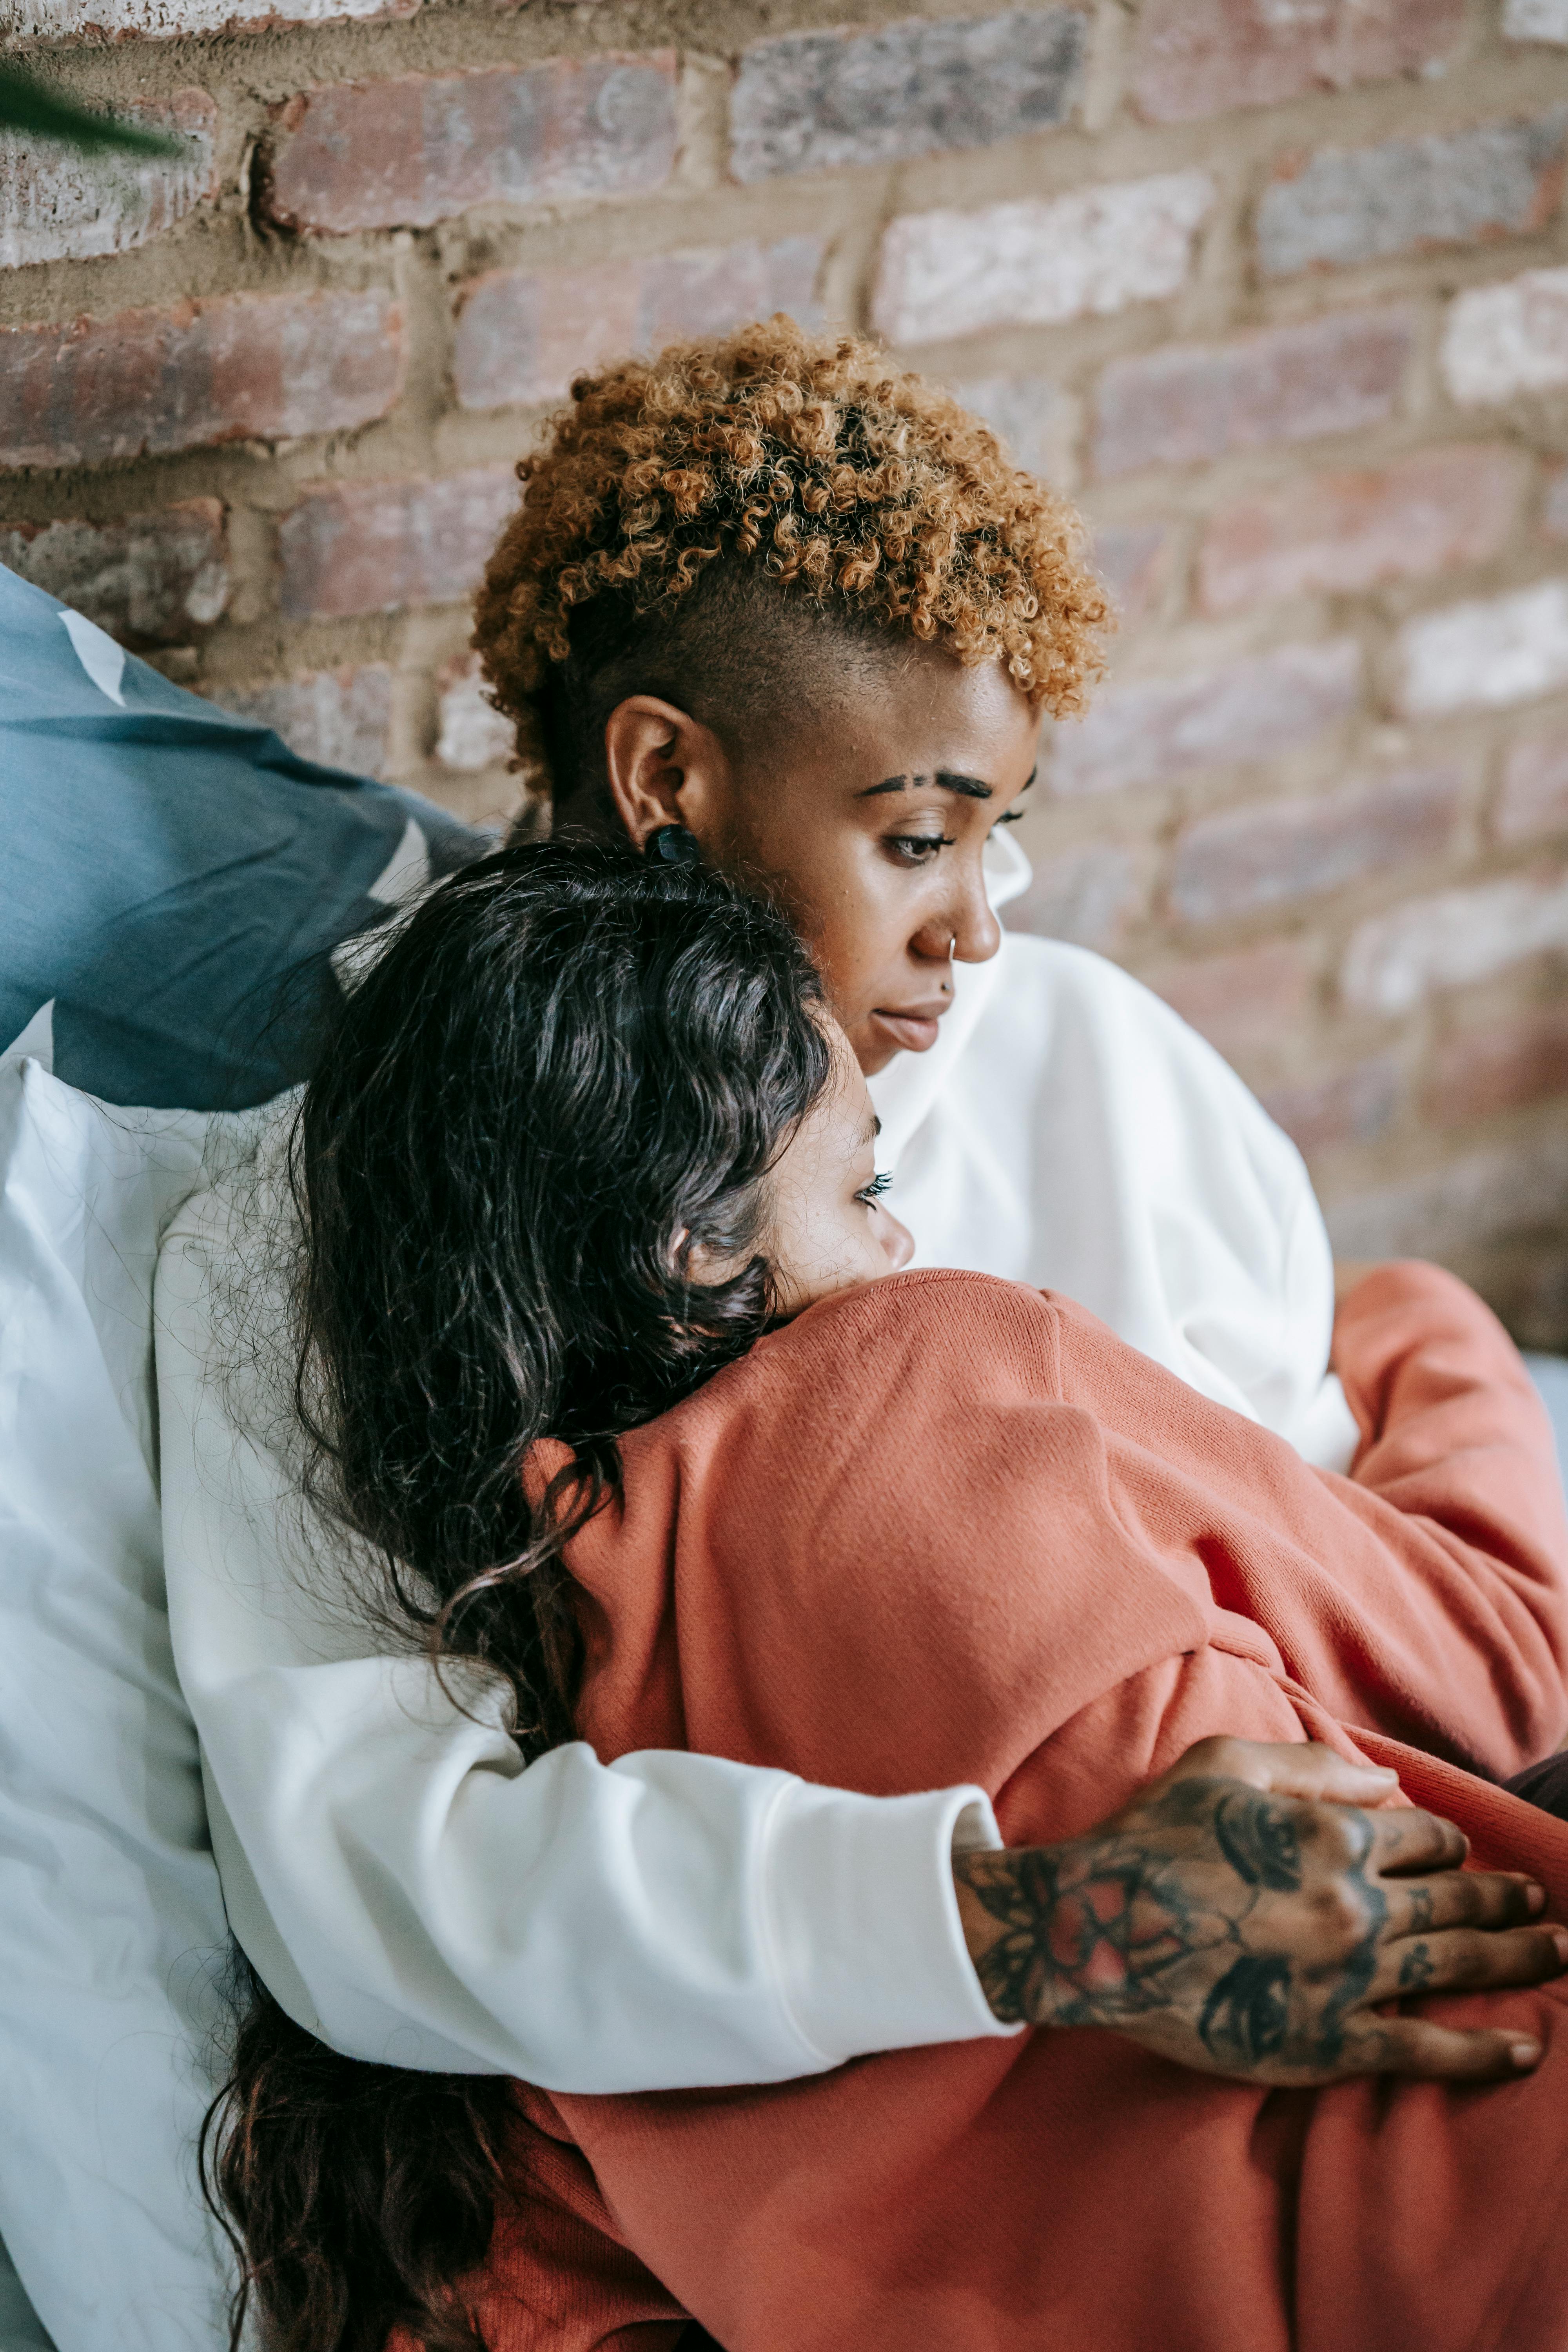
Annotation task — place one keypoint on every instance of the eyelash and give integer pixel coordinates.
(876, 1188)
(902, 843)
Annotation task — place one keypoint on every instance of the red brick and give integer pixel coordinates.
(417, 149)
(151, 579)
(1347, 205)
(1132, 559)
(1344, 532)
(1152, 731)
(342, 718)
(523, 334)
(1202, 56)
(1265, 856)
(1350, 1107)
(374, 547)
(1486, 1070)
(268, 367)
(1533, 801)
(1085, 895)
(1191, 402)
(57, 205)
(1255, 997)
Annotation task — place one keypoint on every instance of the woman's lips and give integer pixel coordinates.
(914, 1033)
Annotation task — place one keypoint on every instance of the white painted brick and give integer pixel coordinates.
(814, 101)
(1486, 653)
(1033, 264)
(1536, 20)
(472, 735)
(56, 20)
(342, 718)
(1458, 935)
(151, 579)
(1037, 423)
(55, 204)
(1508, 339)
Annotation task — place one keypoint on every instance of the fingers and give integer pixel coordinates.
(1404, 1838)
(1439, 2053)
(1460, 1898)
(1469, 1959)
(1304, 1769)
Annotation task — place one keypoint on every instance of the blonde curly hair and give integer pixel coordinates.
(859, 497)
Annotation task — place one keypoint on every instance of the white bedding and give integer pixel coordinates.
(111, 1925)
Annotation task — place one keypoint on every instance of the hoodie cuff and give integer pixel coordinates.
(861, 1918)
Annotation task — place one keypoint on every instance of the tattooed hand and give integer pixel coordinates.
(1244, 1915)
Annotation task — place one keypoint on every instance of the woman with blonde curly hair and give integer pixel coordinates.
(776, 605)
(778, 611)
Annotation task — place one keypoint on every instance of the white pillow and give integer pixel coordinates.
(111, 1925)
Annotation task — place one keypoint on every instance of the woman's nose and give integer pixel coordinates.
(966, 929)
(898, 1242)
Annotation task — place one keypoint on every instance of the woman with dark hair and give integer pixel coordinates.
(606, 1362)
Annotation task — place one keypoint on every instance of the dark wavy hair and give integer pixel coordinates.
(567, 1072)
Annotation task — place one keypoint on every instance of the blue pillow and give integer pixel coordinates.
(175, 880)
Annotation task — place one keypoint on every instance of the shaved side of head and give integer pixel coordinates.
(742, 656)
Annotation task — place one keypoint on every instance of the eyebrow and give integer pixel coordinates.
(947, 780)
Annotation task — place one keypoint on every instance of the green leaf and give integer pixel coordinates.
(29, 110)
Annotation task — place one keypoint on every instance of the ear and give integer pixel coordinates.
(705, 1264)
(663, 768)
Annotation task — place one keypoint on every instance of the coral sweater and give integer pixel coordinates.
(949, 1528)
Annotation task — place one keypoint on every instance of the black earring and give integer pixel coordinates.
(671, 845)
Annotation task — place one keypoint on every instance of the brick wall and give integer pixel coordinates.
(1281, 293)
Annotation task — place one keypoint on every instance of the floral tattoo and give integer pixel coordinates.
(1122, 1923)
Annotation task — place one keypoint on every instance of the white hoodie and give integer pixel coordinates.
(1069, 1130)
(409, 1891)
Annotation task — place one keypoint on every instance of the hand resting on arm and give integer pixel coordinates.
(1249, 1862)
(1244, 1916)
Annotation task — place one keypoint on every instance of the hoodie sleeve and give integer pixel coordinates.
(1426, 1596)
(411, 1892)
